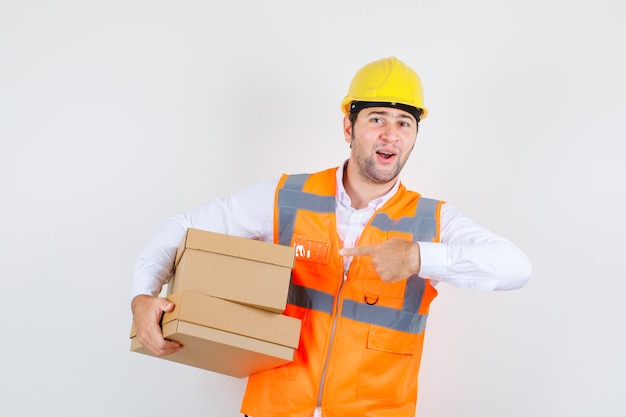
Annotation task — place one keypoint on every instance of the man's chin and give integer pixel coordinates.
(384, 177)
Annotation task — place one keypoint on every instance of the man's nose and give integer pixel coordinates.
(390, 133)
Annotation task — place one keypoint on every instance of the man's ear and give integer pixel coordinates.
(347, 129)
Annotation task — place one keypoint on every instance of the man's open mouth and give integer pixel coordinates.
(385, 154)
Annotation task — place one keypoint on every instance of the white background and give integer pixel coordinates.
(117, 114)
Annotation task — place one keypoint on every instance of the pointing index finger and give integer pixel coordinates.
(356, 251)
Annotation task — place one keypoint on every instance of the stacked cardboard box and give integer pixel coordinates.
(229, 294)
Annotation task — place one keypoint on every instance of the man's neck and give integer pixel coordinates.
(361, 190)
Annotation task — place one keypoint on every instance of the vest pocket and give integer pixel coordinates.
(389, 367)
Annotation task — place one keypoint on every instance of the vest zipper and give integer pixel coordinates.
(332, 339)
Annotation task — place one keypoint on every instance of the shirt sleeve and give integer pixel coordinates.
(470, 256)
(247, 213)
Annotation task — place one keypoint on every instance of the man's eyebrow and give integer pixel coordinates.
(386, 113)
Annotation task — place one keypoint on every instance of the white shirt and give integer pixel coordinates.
(467, 256)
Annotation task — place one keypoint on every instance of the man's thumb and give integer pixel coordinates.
(168, 306)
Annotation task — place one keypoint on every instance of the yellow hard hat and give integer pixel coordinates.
(389, 82)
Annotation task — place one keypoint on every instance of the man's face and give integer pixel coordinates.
(381, 139)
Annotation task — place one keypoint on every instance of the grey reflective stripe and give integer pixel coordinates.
(422, 225)
(296, 182)
(422, 229)
(426, 207)
(390, 318)
(287, 214)
(426, 220)
(413, 293)
(286, 223)
(291, 198)
(309, 298)
(306, 201)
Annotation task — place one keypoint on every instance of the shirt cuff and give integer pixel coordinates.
(433, 260)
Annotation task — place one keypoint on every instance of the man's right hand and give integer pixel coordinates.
(147, 312)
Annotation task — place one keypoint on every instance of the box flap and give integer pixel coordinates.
(236, 246)
(257, 284)
(202, 309)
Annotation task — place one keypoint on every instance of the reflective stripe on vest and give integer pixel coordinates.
(422, 225)
(291, 198)
(405, 320)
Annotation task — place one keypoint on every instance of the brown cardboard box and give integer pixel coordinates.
(226, 337)
(237, 269)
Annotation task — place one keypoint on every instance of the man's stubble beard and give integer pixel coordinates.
(367, 165)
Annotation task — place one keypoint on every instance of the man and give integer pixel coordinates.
(363, 299)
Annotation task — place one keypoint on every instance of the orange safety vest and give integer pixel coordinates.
(361, 339)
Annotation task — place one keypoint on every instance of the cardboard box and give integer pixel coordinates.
(226, 337)
(242, 270)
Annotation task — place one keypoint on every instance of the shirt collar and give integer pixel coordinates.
(344, 199)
